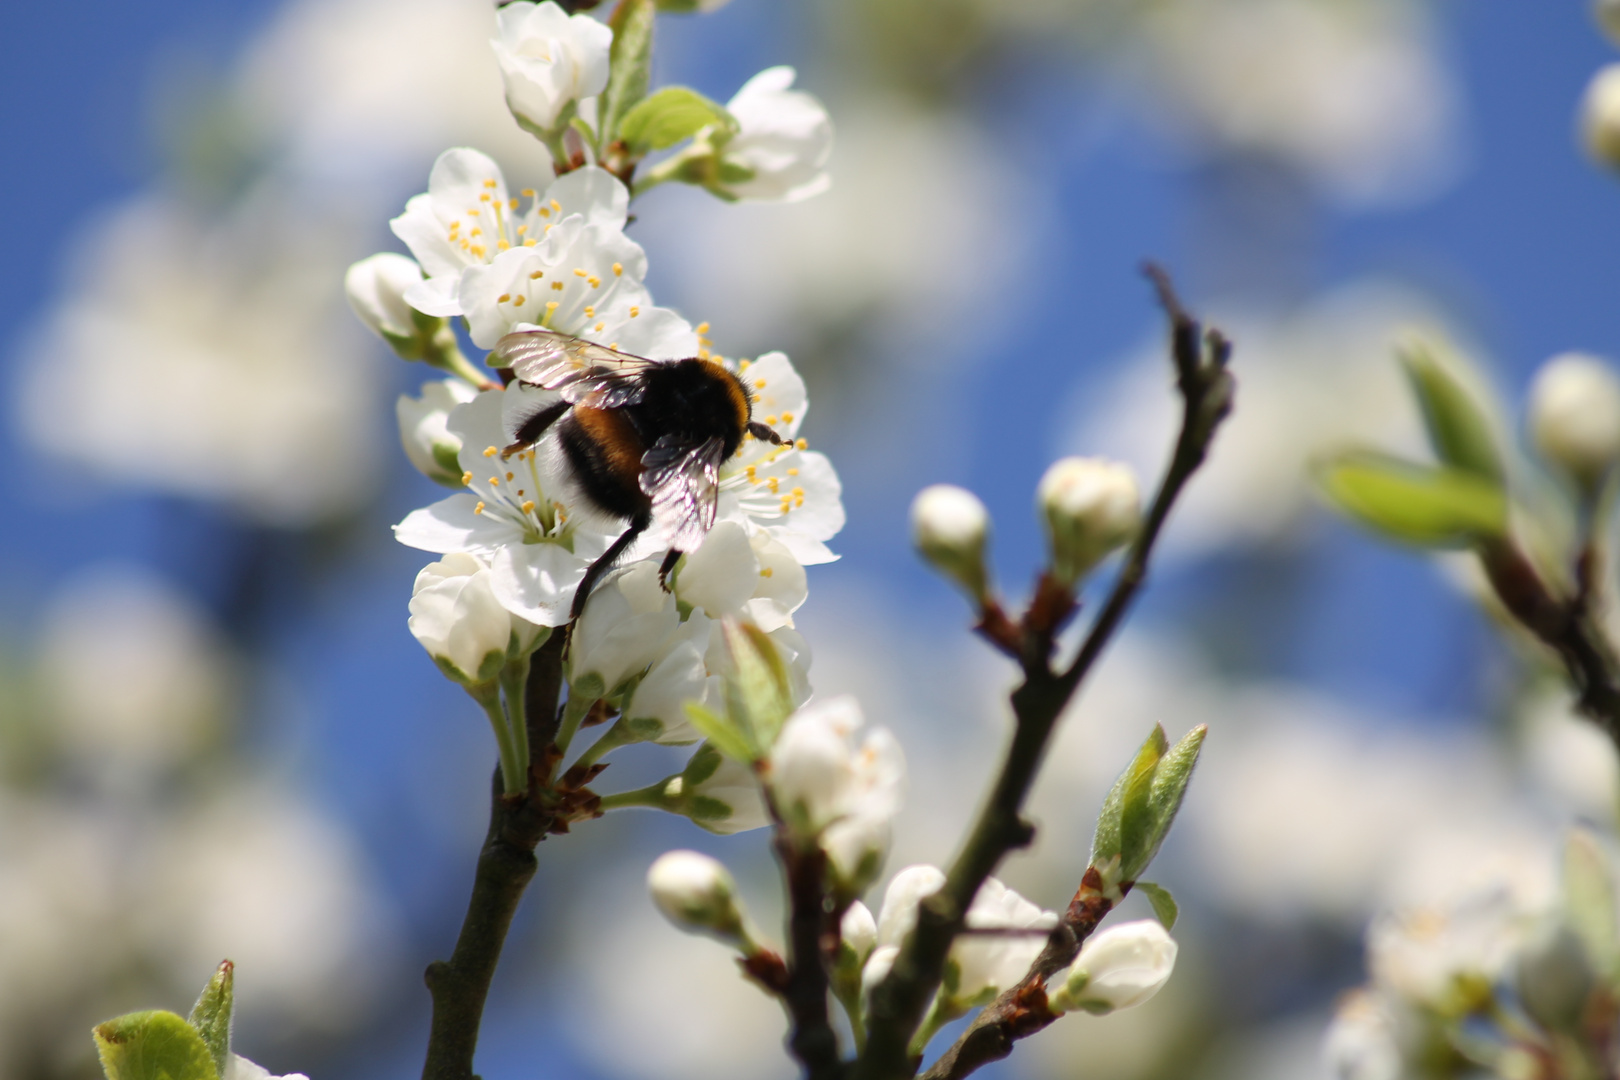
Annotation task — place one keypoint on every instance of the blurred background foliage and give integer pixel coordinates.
(218, 739)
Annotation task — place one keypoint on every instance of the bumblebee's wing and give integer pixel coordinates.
(682, 479)
(574, 367)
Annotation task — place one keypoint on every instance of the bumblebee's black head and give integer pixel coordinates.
(697, 400)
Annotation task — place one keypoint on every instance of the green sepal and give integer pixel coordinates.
(211, 1016)
(1164, 905)
(1431, 506)
(644, 728)
(672, 115)
(1459, 429)
(154, 1045)
(725, 738)
(488, 669)
(1589, 901)
(1131, 788)
(630, 58)
(447, 456)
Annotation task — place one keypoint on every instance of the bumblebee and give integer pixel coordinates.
(643, 439)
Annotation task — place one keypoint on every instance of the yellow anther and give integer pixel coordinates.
(787, 503)
(771, 483)
(484, 197)
(595, 281)
(537, 275)
(490, 184)
(528, 506)
(798, 500)
(599, 327)
(742, 365)
(802, 444)
(466, 478)
(544, 212)
(580, 273)
(766, 572)
(476, 232)
(479, 509)
(798, 491)
(557, 206)
(634, 310)
(513, 203)
(614, 345)
(759, 384)
(465, 245)
(703, 354)
(492, 451)
(751, 477)
(494, 481)
(793, 472)
(551, 305)
(557, 285)
(787, 418)
(479, 250)
(474, 212)
(502, 245)
(618, 269)
(590, 311)
(528, 193)
(530, 242)
(521, 229)
(771, 420)
(520, 301)
(703, 328)
(503, 298)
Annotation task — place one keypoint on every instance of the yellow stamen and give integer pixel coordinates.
(530, 242)
(766, 572)
(494, 481)
(528, 507)
(580, 273)
(594, 280)
(490, 183)
(599, 327)
(771, 420)
(491, 451)
(466, 478)
(479, 509)
(590, 311)
(537, 275)
(771, 483)
(799, 491)
(703, 328)
(502, 245)
(635, 310)
(484, 197)
(557, 206)
(787, 418)
(476, 232)
(503, 298)
(513, 203)
(557, 285)
(802, 444)
(618, 269)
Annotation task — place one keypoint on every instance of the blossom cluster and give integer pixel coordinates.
(519, 533)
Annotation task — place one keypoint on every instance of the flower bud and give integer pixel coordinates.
(548, 61)
(1600, 116)
(424, 432)
(718, 793)
(455, 615)
(1090, 507)
(623, 629)
(696, 893)
(1574, 416)
(950, 526)
(376, 290)
(857, 934)
(1120, 967)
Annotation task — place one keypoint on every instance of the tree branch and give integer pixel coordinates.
(506, 864)
(811, 1037)
(899, 1001)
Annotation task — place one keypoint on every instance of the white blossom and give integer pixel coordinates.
(734, 572)
(509, 516)
(990, 963)
(376, 288)
(622, 631)
(788, 491)
(720, 793)
(1574, 415)
(424, 429)
(557, 258)
(1426, 954)
(1361, 1042)
(549, 59)
(458, 620)
(824, 788)
(240, 1068)
(1117, 968)
(783, 141)
(676, 679)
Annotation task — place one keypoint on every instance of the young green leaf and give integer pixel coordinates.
(631, 63)
(211, 1016)
(1439, 507)
(671, 115)
(759, 695)
(1131, 787)
(1589, 900)
(1164, 797)
(1459, 429)
(721, 734)
(1164, 905)
(154, 1045)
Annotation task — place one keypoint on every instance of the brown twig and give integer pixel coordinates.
(804, 990)
(899, 1001)
(506, 863)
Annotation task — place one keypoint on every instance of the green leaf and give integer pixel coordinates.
(1133, 783)
(211, 1016)
(631, 63)
(1459, 429)
(1164, 905)
(720, 732)
(669, 116)
(1589, 900)
(1137, 825)
(1168, 787)
(154, 1045)
(678, 7)
(1430, 506)
(759, 695)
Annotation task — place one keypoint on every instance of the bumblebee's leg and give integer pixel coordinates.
(667, 565)
(535, 426)
(764, 431)
(638, 525)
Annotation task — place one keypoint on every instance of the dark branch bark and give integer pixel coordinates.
(506, 863)
(899, 1001)
(811, 1037)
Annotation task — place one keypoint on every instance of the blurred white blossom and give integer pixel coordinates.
(424, 429)
(782, 144)
(457, 619)
(549, 59)
(376, 289)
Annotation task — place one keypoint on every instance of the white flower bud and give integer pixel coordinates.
(906, 890)
(1120, 967)
(424, 432)
(455, 615)
(549, 60)
(696, 893)
(1574, 416)
(376, 290)
(782, 144)
(623, 629)
(1600, 116)
(1090, 507)
(857, 933)
(949, 526)
(719, 793)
